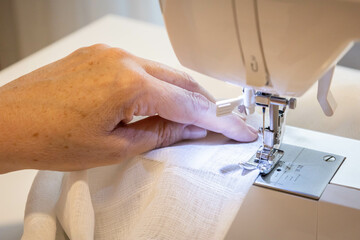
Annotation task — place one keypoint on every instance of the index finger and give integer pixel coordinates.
(182, 106)
(175, 77)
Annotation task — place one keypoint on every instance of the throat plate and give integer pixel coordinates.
(302, 171)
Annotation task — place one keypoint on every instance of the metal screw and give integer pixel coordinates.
(329, 158)
(242, 109)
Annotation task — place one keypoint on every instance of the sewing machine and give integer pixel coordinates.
(276, 48)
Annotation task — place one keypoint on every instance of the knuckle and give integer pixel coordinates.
(190, 83)
(99, 46)
(80, 51)
(138, 81)
(90, 52)
(144, 86)
(119, 59)
(117, 53)
(92, 48)
(200, 102)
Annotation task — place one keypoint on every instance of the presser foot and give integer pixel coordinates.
(265, 160)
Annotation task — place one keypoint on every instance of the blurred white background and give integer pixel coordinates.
(29, 25)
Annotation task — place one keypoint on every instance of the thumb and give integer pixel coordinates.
(152, 132)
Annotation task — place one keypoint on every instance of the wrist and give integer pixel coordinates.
(8, 141)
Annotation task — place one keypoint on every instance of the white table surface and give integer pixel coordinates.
(148, 41)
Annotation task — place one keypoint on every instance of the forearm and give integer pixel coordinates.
(8, 143)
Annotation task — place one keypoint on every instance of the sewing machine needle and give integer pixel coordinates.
(263, 127)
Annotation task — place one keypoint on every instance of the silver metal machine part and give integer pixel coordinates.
(301, 171)
(268, 155)
(288, 168)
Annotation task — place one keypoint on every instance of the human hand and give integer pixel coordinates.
(75, 113)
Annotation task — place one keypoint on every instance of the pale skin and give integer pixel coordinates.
(75, 113)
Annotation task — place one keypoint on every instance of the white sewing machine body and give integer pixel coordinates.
(273, 46)
(281, 48)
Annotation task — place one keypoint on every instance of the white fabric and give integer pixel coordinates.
(177, 192)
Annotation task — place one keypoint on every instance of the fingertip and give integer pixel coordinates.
(247, 136)
(253, 133)
(254, 137)
(252, 129)
(207, 94)
(243, 118)
(243, 132)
